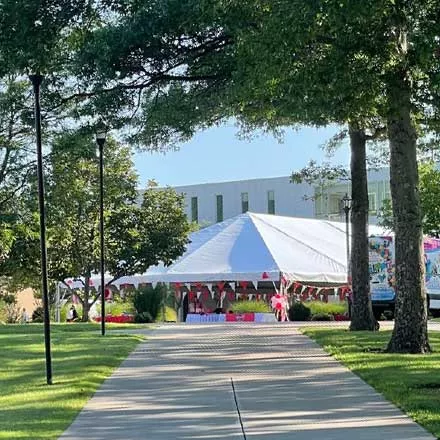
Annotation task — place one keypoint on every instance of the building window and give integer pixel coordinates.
(271, 202)
(244, 202)
(372, 203)
(219, 199)
(194, 210)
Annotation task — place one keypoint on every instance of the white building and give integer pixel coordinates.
(214, 202)
(210, 203)
(328, 198)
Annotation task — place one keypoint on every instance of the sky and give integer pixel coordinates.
(218, 155)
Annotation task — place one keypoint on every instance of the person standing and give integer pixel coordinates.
(24, 316)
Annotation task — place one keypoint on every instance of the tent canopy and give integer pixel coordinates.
(259, 247)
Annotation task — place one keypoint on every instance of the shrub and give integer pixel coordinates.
(323, 317)
(9, 311)
(38, 314)
(65, 310)
(147, 302)
(143, 317)
(299, 312)
(119, 308)
(251, 307)
(170, 314)
(318, 307)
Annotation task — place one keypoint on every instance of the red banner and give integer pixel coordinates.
(240, 317)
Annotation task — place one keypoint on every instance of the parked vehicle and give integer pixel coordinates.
(382, 275)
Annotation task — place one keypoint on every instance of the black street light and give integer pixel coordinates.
(100, 140)
(36, 83)
(346, 206)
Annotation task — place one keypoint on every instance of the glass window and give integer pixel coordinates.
(219, 199)
(194, 210)
(244, 202)
(271, 202)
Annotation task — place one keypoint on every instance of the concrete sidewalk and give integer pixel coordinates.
(237, 381)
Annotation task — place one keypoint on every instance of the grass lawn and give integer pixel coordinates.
(412, 382)
(82, 359)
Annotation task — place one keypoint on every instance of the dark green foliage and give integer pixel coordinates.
(38, 314)
(323, 317)
(34, 34)
(147, 301)
(299, 312)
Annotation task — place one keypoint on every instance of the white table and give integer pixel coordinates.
(195, 318)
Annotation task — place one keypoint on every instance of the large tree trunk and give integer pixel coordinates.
(410, 334)
(85, 316)
(362, 313)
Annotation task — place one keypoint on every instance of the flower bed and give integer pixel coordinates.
(118, 319)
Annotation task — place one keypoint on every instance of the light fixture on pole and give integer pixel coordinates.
(36, 83)
(346, 206)
(100, 140)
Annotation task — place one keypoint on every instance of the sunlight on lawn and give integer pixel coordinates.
(82, 359)
(412, 382)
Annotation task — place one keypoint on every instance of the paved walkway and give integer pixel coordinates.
(237, 381)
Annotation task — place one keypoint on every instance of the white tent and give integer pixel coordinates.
(261, 247)
(258, 247)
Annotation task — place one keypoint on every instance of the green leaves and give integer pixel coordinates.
(429, 198)
(33, 33)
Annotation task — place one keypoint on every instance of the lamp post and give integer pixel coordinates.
(346, 205)
(100, 140)
(36, 83)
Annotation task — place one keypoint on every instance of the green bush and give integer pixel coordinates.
(65, 309)
(3, 314)
(147, 302)
(251, 307)
(118, 308)
(170, 314)
(318, 307)
(299, 312)
(323, 317)
(143, 317)
(37, 315)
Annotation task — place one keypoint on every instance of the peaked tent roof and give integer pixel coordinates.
(245, 247)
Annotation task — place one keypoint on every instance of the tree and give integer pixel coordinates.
(220, 73)
(136, 236)
(360, 62)
(429, 197)
(268, 61)
(16, 163)
(35, 34)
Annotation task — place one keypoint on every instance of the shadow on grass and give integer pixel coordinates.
(412, 382)
(81, 361)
